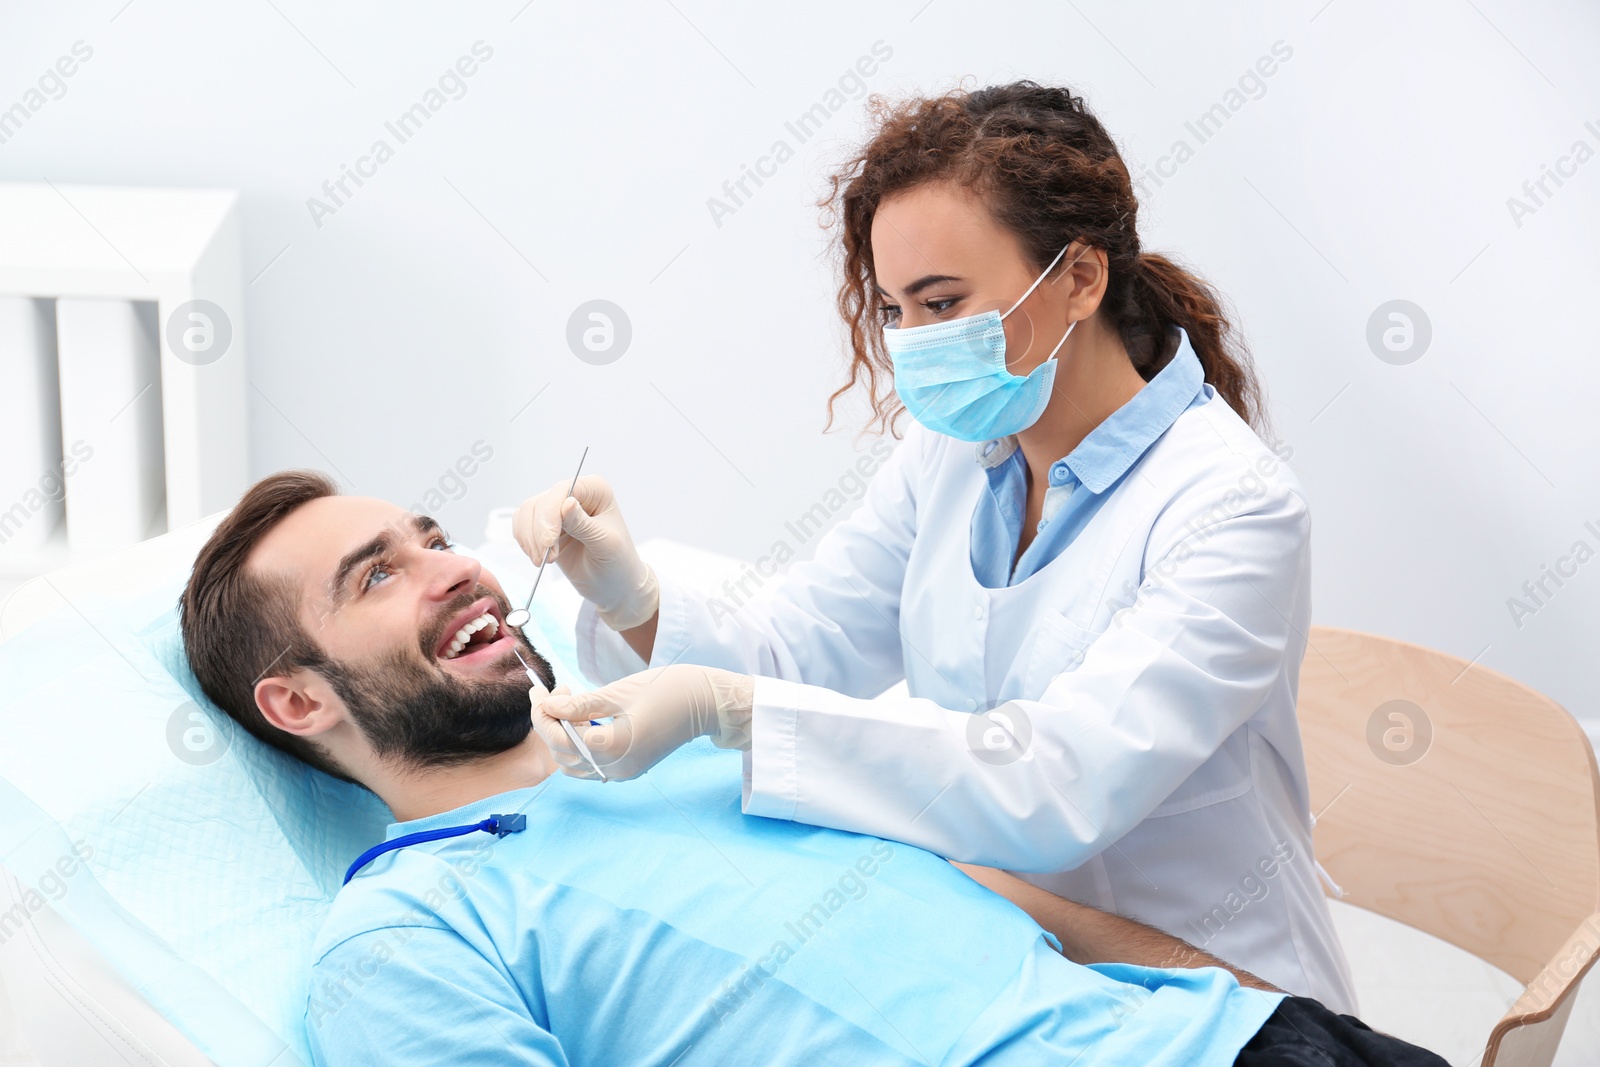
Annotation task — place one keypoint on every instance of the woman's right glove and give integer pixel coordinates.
(652, 713)
(592, 548)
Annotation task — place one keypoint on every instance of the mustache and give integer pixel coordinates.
(434, 633)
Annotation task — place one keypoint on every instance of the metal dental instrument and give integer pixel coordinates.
(519, 618)
(572, 734)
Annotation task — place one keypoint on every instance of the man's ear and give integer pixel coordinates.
(300, 703)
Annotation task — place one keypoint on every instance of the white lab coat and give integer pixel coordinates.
(1147, 758)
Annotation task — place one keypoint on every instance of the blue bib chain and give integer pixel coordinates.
(499, 825)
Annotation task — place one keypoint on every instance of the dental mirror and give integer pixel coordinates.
(519, 617)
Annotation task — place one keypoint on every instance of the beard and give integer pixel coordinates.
(418, 715)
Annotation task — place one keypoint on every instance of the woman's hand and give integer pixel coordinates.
(652, 713)
(592, 548)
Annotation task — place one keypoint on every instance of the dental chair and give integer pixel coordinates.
(61, 1001)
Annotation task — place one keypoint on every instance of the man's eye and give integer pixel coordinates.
(367, 581)
(438, 542)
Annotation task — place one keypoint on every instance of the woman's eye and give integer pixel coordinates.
(889, 312)
(939, 307)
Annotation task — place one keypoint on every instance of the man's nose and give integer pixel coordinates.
(450, 573)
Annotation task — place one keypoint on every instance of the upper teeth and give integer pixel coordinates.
(463, 635)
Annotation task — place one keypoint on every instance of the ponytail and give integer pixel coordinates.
(1164, 294)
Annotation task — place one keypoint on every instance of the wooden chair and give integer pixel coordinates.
(1462, 803)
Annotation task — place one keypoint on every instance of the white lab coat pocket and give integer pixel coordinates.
(1224, 776)
(1059, 646)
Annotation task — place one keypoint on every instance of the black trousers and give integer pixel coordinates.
(1303, 1033)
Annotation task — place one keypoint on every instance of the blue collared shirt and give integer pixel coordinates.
(1080, 481)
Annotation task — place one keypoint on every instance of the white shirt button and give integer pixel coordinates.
(972, 705)
(977, 611)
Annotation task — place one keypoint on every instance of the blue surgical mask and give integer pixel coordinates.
(952, 376)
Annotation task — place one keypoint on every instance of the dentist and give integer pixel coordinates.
(1090, 571)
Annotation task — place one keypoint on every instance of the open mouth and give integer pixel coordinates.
(475, 635)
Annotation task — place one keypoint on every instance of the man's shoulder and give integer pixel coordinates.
(406, 889)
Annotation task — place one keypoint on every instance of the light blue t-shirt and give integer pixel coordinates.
(651, 922)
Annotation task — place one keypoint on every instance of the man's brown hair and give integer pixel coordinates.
(239, 625)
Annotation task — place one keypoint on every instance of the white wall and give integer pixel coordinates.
(423, 314)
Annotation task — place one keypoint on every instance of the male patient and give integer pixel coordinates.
(645, 922)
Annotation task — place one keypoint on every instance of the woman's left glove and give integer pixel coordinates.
(652, 713)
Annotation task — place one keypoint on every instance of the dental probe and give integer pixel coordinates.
(519, 618)
(572, 734)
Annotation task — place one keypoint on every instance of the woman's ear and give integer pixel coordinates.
(300, 703)
(1083, 280)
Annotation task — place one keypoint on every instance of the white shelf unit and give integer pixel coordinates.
(72, 248)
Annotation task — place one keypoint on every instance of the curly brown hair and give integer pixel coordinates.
(1049, 172)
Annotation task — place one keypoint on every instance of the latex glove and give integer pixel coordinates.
(652, 713)
(592, 548)
(537, 693)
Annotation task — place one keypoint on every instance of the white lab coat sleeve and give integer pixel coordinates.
(831, 621)
(1156, 694)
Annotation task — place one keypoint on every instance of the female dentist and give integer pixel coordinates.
(1092, 574)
